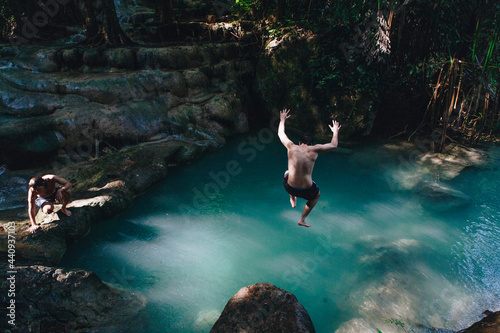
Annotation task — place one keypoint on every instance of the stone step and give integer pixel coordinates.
(25, 93)
(175, 57)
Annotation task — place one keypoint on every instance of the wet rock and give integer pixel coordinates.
(161, 58)
(228, 111)
(71, 57)
(45, 142)
(38, 60)
(12, 190)
(92, 57)
(120, 58)
(46, 246)
(22, 103)
(489, 324)
(59, 300)
(196, 81)
(263, 307)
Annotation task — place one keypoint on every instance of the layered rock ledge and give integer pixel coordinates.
(57, 300)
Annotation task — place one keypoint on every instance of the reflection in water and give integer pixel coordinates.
(374, 257)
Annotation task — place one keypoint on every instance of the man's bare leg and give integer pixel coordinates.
(65, 201)
(293, 200)
(307, 209)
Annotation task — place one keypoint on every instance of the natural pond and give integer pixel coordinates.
(378, 251)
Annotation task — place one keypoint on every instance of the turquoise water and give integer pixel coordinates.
(376, 251)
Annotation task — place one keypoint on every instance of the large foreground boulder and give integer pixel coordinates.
(263, 307)
(56, 300)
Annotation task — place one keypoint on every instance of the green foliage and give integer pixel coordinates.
(423, 37)
(6, 20)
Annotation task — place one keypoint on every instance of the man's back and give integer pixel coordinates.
(301, 161)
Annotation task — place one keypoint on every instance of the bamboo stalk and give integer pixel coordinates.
(450, 101)
(482, 121)
(474, 112)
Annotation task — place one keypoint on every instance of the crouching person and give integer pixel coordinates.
(44, 192)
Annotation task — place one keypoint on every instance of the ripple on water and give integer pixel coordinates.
(477, 254)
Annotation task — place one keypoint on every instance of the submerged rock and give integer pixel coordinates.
(263, 307)
(57, 300)
(438, 196)
(489, 324)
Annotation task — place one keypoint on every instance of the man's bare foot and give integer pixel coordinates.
(293, 201)
(304, 224)
(65, 212)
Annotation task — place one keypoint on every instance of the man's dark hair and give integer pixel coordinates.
(307, 139)
(37, 182)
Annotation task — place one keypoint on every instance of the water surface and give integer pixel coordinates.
(376, 251)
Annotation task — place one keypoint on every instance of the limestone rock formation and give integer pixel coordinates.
(57, 300)
(81, 101)
(263, 307)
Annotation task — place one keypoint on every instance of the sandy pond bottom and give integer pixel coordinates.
(376, 255)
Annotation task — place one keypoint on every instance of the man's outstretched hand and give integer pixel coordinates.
(33, 228)
(335, 126)
(284, 114)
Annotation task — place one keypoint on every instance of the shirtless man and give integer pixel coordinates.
(298, 178)
(43, 193)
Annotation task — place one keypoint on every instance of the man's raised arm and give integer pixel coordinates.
(335, 127)
(281, 129)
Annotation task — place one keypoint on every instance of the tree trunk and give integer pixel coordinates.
(164, 11)
(104, 28)
(16, 10)
(280, 11)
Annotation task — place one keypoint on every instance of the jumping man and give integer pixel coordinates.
(301, 158)
(43, 193)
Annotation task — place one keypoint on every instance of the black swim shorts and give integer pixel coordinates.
(52, 198)
(304, 193)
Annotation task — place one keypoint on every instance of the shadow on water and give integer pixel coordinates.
(107, 235)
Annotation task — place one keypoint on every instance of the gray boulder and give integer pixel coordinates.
(57, 300)
(263, 307)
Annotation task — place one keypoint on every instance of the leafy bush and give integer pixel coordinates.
(6, 20)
